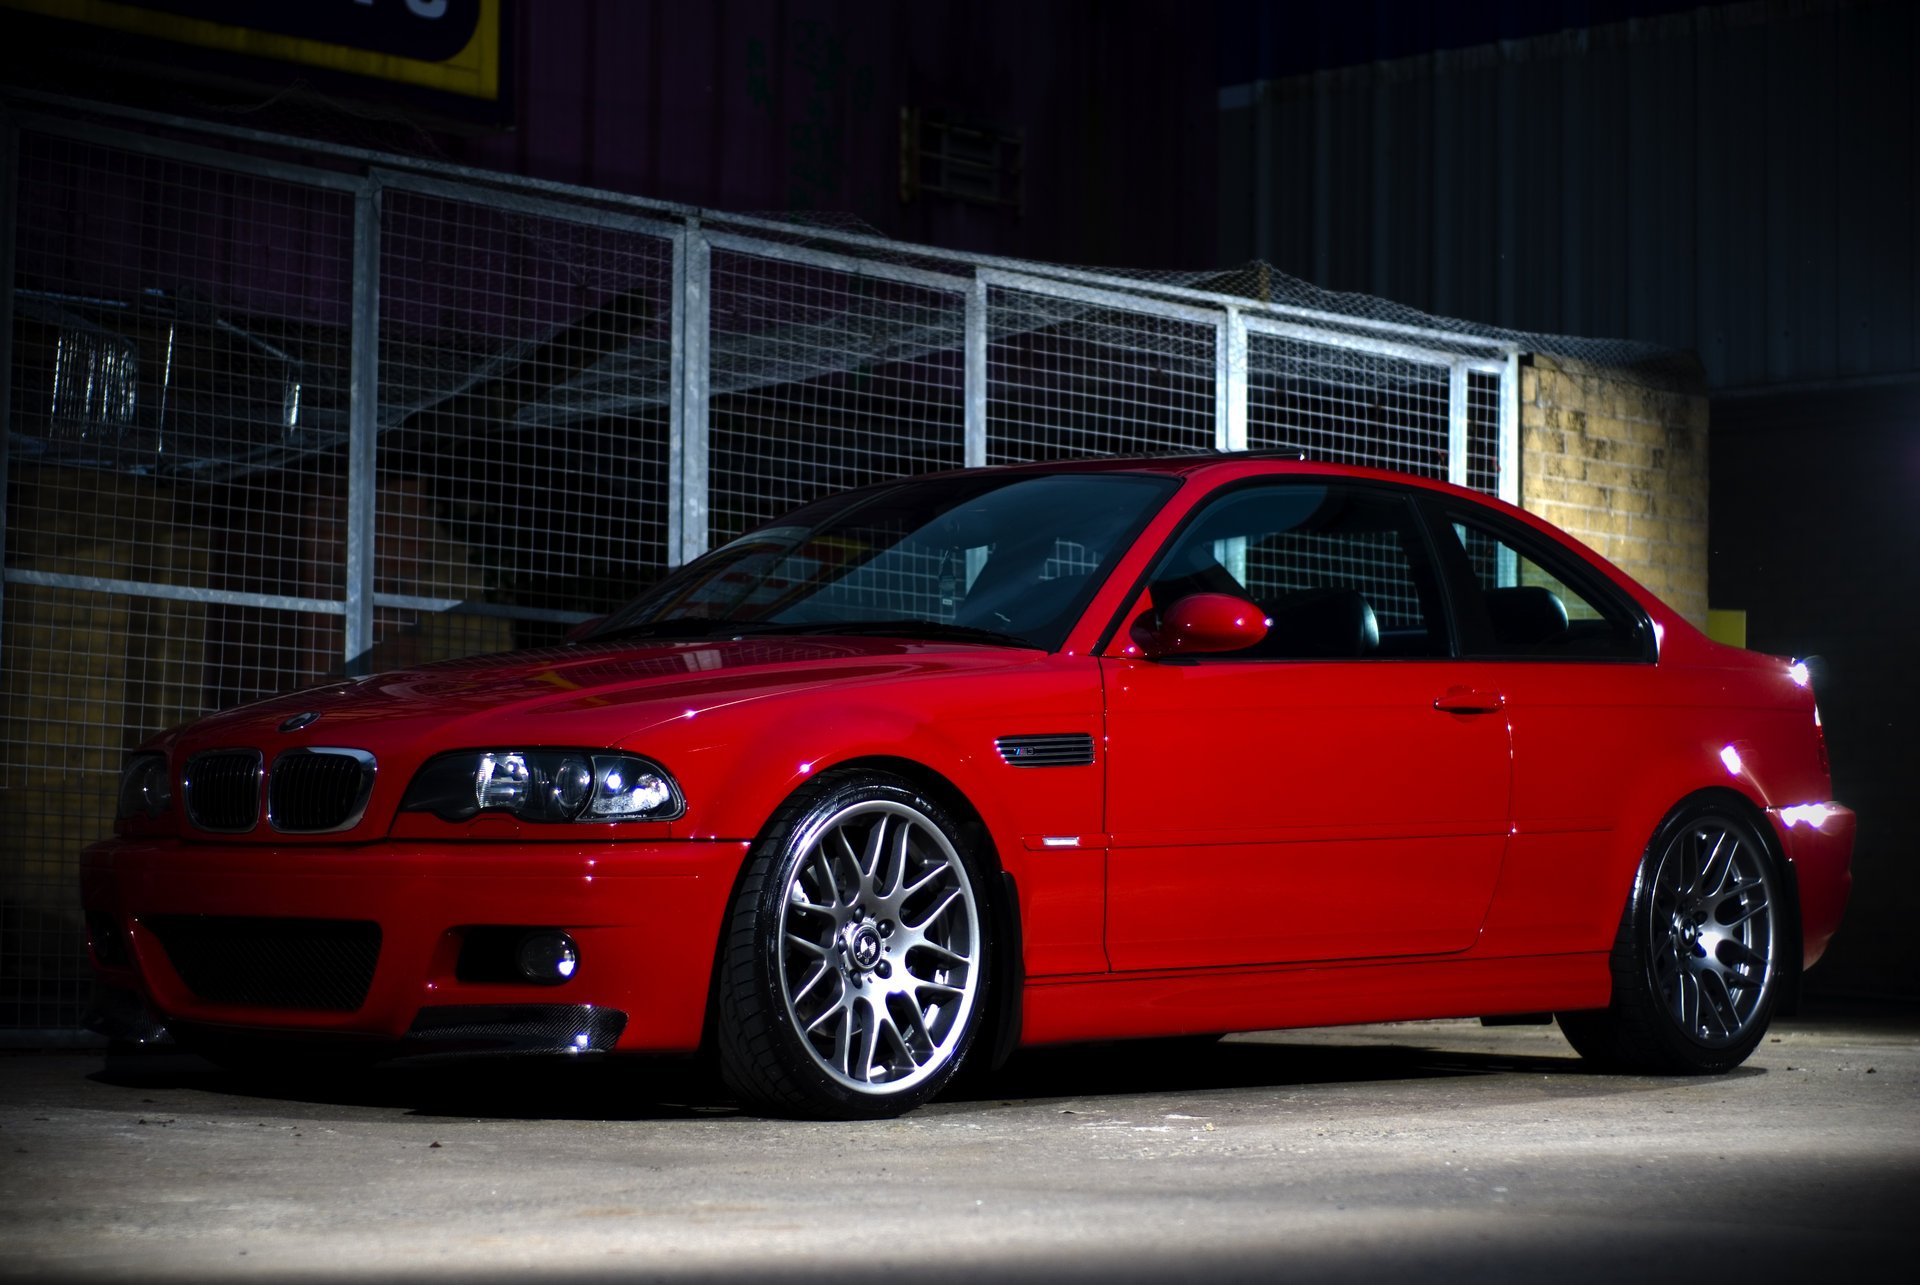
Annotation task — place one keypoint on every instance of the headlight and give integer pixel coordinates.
(145, 792)
(545, 785)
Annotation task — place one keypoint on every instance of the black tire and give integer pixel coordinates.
(1700, 956)
(857, 959)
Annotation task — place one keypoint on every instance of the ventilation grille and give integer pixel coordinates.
(313, 791)
(223, 790)
(1052, 749)
(272, 963)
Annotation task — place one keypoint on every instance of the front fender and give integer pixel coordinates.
(737, 765)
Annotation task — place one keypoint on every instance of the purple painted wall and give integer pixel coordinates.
(778, 106)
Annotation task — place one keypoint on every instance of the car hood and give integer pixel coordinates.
(606, 694)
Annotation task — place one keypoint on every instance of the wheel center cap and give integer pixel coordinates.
(863, 946)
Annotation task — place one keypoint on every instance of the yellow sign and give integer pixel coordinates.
(448, 45)
(1727, 626)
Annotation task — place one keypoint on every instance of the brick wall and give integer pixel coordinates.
(1623, 467)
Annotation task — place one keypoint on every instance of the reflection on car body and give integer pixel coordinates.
(939, 767)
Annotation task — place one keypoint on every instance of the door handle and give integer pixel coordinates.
(1469, 700)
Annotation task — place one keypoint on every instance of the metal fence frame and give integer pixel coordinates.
(693, 237)
(692, 244)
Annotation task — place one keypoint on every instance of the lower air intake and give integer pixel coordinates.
(323, 964)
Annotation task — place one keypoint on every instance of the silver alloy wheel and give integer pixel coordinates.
(1710, 932)
(879, 946)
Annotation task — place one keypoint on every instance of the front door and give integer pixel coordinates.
(1339, 791)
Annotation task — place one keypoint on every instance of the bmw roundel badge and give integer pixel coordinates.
(299, 721)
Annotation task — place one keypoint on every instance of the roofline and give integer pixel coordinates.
(1281, 461)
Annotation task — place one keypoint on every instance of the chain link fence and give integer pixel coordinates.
(281, 410)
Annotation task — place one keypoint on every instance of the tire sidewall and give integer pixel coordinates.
(782, 850)
(1677, 1046)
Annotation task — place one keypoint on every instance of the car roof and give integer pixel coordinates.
(1225, 465)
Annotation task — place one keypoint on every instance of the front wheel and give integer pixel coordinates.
(856, 958)
(1697, 961)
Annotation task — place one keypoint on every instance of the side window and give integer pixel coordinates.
(1340, 571)
(1526, 599)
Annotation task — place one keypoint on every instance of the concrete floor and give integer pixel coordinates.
(1430, 1150)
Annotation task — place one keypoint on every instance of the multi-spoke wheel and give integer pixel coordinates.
(856, 959)
(1698, 958)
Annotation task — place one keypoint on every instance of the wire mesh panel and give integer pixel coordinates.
(1483, 431)
(1347, 405)
(181, 422)
(1068, 376)
(177, 421)
(823, 377)
(524, 414)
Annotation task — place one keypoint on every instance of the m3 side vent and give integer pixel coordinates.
(1052, 749)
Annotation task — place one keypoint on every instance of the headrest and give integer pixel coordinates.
(1322, 624)
(1526, 615)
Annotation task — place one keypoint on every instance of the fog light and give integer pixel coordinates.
(548, 958)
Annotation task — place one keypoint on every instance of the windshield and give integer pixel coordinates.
(1003, 557)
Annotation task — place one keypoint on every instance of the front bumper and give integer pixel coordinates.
(645, 917)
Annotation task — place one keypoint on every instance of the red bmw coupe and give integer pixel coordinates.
(945, 766)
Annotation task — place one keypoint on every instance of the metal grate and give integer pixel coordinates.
(222, 790)
(314, 791)
(524, 414)
(176, 436)
(1068, 377)
(275, 414)
(1347, 405)
(822, 379)
(324, 964)
(1483, 471)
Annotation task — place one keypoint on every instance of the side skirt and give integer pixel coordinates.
(1062, 1010)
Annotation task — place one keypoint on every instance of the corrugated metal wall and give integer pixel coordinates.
(1739, 180)
(794, 105)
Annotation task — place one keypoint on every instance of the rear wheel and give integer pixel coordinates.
(856, 958)
(1698, 958)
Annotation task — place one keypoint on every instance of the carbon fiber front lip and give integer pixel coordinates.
(124, 1018)
(478, 1030)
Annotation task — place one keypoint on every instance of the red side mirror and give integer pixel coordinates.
(1203, 624)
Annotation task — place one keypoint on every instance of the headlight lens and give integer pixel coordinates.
(545, 785)
(145, 791)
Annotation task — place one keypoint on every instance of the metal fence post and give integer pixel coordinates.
(1230, 383)
(1508, 452)
(1457, 424)
(689, 382)
(974, 445)
(363, 424)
